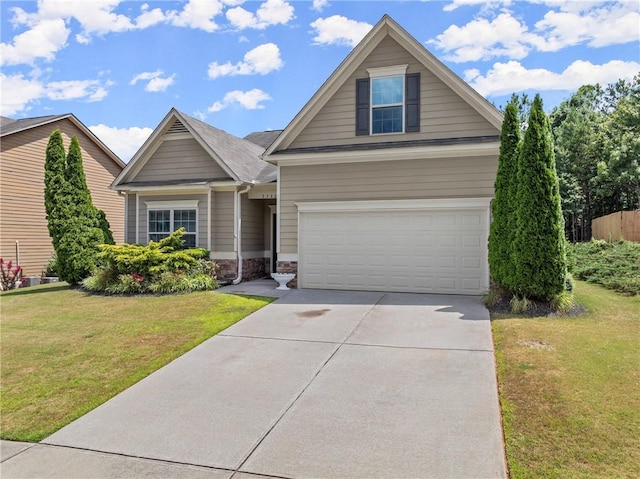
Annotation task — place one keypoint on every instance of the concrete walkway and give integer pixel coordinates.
(319, 384)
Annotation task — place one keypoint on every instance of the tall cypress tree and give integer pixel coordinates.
(55, 187)
(503, 225)
(81, 236)
(539, 246)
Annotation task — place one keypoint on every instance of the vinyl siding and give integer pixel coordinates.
(180, 159)
(201, 217)
(22, 211)
(252, 225)
(411, 179)
(223, 221)
(131, 219)
(443, 114)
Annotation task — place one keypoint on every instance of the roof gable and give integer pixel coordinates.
(238, 158)
(10, 126)
(385, 28)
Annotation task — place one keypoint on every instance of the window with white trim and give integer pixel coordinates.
(166, 217)
(387, 104)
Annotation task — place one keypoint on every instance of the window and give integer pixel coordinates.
(166, 217)
(388, 101)
(387, 104)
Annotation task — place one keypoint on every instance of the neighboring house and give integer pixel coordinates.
(22, 212)
(192, 175)
(382, 182)
(385, 177)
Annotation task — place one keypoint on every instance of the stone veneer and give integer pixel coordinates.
(289, 267)
(252, 268)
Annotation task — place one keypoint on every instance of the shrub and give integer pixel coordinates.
(51, 269)
(161, 267)
(562, 302)
(10, 275)
(615, 266)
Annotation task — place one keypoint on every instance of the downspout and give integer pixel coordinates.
(238, 219)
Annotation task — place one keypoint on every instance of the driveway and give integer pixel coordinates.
(319, 384)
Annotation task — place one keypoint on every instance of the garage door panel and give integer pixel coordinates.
(440, 251)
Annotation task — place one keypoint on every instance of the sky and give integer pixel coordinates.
(244, 66)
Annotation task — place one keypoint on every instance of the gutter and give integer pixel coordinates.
(238, 228)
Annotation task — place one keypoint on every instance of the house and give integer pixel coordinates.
(215, 185)
(383, 181)
(23, 223)
(385, 177)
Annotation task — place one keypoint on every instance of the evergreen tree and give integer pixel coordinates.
(502, 232)
(539, 246)
(104, 225)
(55, 186)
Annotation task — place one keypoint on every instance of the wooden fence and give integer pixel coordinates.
(618, 225)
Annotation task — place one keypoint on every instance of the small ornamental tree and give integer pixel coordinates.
(54, 186)
(503, 226)
(539, 245)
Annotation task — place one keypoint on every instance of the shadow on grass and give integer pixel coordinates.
(37, 290)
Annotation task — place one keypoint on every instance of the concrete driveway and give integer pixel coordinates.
(319, 384)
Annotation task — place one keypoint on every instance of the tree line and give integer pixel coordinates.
(596, 133)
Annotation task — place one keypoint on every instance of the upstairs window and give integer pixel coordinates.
(388, 101)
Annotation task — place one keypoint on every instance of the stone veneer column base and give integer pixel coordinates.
(288, 267)
(252, 268)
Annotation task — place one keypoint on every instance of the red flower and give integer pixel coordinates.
(137, 277)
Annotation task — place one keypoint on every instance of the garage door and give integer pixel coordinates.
(440, 251)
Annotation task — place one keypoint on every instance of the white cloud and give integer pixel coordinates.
(197, 14)
(148, 17)
(124, 142)
(505, 78)
(271, 12)
(44, 40)
(596, 23)
(156, 83)
(261, 60)
(251, 100)
(318, 5)
(17, 93)
(93, 90)
(610, 25)
(482, 39)
(339, 30)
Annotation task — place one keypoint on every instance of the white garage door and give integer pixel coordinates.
(440, 251)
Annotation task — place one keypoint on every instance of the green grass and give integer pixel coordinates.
(570, 389)
(615, 266)
(64, 352)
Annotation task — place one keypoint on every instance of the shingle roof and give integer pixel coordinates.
(242, 157)
(263, 138)
(10, 126)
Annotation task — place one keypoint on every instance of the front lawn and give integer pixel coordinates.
(570, 389)
(64, 352)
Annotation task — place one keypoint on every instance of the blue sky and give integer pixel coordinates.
(245, 66)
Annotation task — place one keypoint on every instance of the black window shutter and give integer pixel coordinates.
(412, 102)
(362, 106)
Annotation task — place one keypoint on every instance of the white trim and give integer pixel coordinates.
(387, 154)
(288, 257)
(126, 217)
(209, 220)
(175, 204)
(279, 216)
(394, 205)
(177, 136)
(245, 255)
(391, 71)
(138, 218)
(179, 189)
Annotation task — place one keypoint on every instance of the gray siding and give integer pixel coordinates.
(201, 219)
(443, 114)
(131, 218)
(411, 179)
(252, 225)
(223, 221)
(180, 159)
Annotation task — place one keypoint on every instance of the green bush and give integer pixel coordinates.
(615, 266)
(160, 267)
